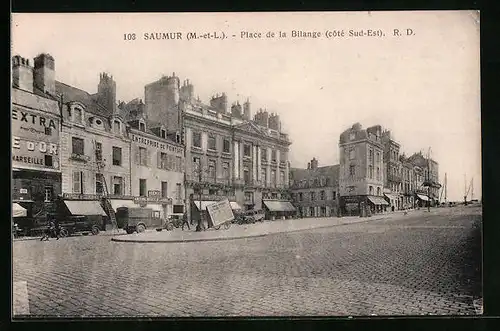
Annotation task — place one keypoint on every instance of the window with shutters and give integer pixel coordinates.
(117, 185)
(164, 189)
(178, 191)
(211, 169)
(196, 166)
(77, 146)
(99, 184)
(162, 160)
(143, 156)
(117, 156)
(142, 187)
(78, 182)
(98, 151)
(225, 170)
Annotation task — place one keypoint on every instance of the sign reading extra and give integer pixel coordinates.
(35, 140)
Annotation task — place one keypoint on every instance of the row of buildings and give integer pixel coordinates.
(372, 174)
(172, 152)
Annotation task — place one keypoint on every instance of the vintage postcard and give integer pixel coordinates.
(246, 164)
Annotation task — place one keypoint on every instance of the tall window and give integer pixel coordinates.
(78, 182)
(301, 196)
(142, 187)
(247, 150)
(263, 154)
(163, 133)
(164, 189)
(196, 166)
(143, 156)
(249, 197)
(77, 115)
(99, 185)
(313, 196)
(273, 178)
(77, 146)
(162, 160)
(196, 139)
(48, 160)
(116, 126)
(334, 195)
(117, 185)
(370, 171)
(371, 156)
(282, 177)
(117, 156)
(378, 173)
(378, 190)
(226, 146)
(98, 151)
(352, 154)
(178, 191)
(225, 170)
(263, 176)
(142, 126)
(246, 175)
(212, 143)
(322, 195)
(378, 157)
(212, 169)
(371, 190)
(273, 155)
(178, 164)
(352, 170)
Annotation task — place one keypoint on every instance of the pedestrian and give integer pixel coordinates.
(57, 228)
(185, 222)
(48, 232)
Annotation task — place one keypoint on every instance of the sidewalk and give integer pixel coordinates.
(248, 230)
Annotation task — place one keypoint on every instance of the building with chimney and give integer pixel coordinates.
(36, 129)
(361, 176)
(227, 154)
(426, 179)
(315, 190)
(95, 146)
(393, 179)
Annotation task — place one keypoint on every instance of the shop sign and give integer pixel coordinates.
(77, 196)
(220, 212)
(146, 200)
(154, 193)
(23, 191)
(212, 197)
(157, 144)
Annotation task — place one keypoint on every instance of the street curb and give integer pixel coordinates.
(177, 241)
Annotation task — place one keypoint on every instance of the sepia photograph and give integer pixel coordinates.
(246, 164)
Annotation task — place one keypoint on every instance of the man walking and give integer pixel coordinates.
(185, 222)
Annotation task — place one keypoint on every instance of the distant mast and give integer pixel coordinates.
(465, 189)
(445, 183)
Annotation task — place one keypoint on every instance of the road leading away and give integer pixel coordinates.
(427, 263)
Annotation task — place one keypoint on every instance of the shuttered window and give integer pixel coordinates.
(78, 182)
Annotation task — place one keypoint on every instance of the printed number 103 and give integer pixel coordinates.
(129, 36)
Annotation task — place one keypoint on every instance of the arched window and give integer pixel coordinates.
(142, 126)
(378, 191)
(370, 190)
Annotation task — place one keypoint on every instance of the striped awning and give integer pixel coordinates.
(378, 201)
(87, 208)
(273, 205)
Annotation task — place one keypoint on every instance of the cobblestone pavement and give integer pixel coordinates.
(420, 264)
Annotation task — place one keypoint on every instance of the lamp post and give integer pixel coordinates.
(200, 172)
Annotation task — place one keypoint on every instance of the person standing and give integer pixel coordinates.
(185, 222)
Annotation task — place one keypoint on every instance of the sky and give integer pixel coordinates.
(424, 88)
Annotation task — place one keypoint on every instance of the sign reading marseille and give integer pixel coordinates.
(220, 212)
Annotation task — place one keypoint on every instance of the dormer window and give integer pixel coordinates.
(142, 126)
(163, 133)
(117, 126)
(96, 123)
(77, 115)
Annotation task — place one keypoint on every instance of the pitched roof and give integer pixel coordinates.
(71, 93)
(331, 171)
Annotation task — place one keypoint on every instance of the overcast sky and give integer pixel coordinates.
(425, 88)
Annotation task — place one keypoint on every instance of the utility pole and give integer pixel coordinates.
(429, 180)
(445, 184)
(465, 190)
(472, 189)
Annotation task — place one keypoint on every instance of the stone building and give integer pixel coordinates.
(408, 184)
(393, 179)
(427, 183)
(95, 147)
(315, 190)
(157, 165)
(35, 125)
(361, 177)
(226, 153)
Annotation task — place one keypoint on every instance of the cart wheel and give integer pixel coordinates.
(227, 225)
(129, 231)
(177, 224)
(95, 230)
(217, 227)
(140, 228)
(169, 227)
(63, 233)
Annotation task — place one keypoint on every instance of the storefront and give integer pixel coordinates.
(36, 175)
(422, 200)
(362, 204)
(278, 209)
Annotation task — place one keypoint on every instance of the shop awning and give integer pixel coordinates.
(391, 196)
(423, 197)
(234, 205)
(88, 207)
(378, 201)
(18, 210)
(122, 203)
(273, 205)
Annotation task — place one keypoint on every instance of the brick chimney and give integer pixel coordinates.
(45, 74)
(22, 73)
(314, 164)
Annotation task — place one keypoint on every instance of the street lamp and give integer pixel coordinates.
(200, 172)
